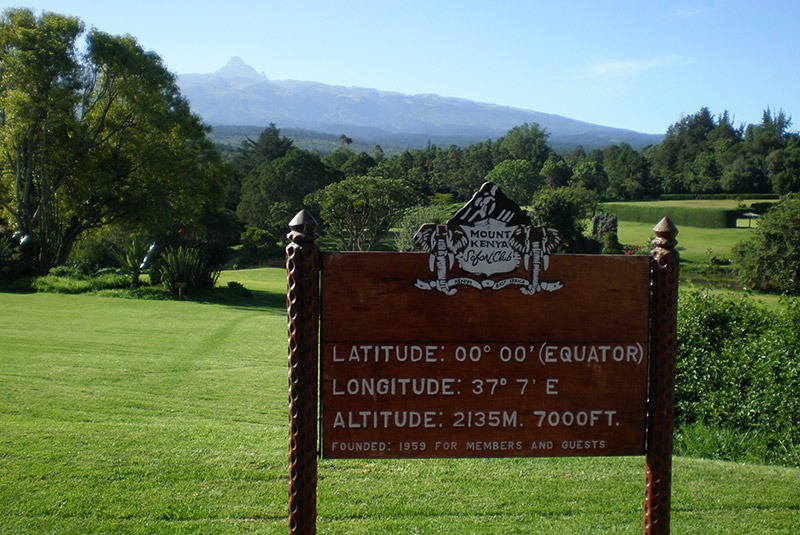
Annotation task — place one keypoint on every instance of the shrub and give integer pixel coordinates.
(10, 265)
(604, 230)
(720, 443)
(91, 251)
(738, 368)
(132, 258)
(238, 288)
(258, 246)
(769, 260)
(611, 244)
(183, 271)
(680, 215)
(71, 280)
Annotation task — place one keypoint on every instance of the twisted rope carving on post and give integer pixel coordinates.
(661, 387)
(302, 305)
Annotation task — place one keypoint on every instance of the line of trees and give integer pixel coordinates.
(700, 154)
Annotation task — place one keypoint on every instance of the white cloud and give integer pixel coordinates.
(627, 68)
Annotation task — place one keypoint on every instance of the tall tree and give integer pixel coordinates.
(683, 155)
(360, 210)
(769, 260)
(556, 171)
(566, 209)
(269, 146)
(525, 142)
(517, 179)
(762, 140)
(478, 160)
(590, 175)
(446, 172)
(273, 192)
(768, 136)
(358, 164)
(628, 173)
(89, 140)
(783, 166)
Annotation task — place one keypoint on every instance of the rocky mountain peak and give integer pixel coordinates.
(237, 68)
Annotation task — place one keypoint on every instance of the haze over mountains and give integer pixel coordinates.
(238, 95)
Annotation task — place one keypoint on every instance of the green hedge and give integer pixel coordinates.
(716, 196)
(738, 368)
(679, 215)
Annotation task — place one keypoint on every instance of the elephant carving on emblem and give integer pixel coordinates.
(443, 243)
(534, 245)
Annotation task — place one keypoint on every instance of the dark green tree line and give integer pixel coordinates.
(700, 154)
(703, 154)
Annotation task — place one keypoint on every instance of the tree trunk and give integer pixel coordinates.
(65, 247)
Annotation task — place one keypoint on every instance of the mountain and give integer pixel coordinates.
(237, 94)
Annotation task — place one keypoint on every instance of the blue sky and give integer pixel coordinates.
(640, 65)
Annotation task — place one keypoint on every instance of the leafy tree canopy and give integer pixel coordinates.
(701, 154)
(517, 179)
(358, 211)
(769, 260)
(269, 146)
(526, 142)
(274, 191)
(90, 139)
(567, 210)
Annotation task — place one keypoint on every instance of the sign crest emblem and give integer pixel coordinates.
(489, 236)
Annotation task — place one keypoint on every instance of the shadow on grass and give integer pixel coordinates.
(709, 276)
(253, 299)
(244, 299)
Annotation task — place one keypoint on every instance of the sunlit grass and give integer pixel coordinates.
(694, 243)
(142, 416)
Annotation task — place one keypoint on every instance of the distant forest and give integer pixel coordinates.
(700, 154)
(274, 177)
(228, 139)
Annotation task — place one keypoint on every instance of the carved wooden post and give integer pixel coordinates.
(302, 303)
(661, 387)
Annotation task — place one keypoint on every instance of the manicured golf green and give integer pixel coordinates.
(143, 416)
(694, 243)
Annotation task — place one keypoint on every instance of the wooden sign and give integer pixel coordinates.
(483, 374)
(486, 359)
(486, 344)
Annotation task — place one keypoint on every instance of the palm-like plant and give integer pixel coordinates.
(132, 258)
(183, 269)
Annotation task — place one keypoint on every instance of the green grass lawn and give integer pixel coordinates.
(696, 245)
(144, 416)
(693, 242)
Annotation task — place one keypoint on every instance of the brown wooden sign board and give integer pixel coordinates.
(483, 373)
(484, 345)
